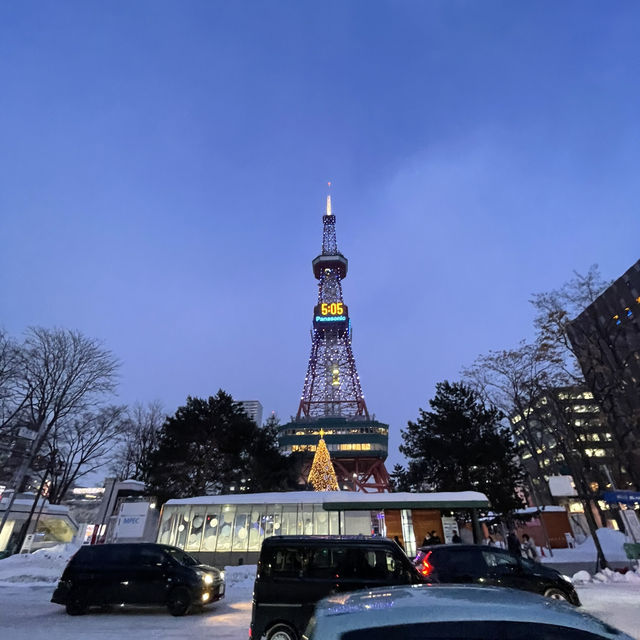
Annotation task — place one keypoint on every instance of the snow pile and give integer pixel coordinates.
(41, 567)
(582, 577)
(240, 578)
(607, 576)
(611, 542)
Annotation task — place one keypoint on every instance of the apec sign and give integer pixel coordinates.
(131, 520)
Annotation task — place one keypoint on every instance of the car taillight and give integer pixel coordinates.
(425, 567)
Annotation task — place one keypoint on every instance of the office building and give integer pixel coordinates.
(606, 340)
(253, 408)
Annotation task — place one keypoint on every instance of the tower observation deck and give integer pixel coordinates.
(332, 398)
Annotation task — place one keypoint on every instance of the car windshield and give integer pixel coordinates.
(182, 557)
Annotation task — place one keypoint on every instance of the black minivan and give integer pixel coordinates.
(294, 572)
(139, 574)
(481, 564)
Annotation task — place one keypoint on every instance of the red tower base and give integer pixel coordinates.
(362, 474)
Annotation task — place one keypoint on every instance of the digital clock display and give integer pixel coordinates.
(332, 308)
(331, 312)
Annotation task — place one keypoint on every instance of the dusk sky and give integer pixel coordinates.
(163, 172)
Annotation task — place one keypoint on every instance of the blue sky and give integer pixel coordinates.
(163, 170)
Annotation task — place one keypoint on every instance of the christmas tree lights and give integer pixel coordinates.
(322, 475)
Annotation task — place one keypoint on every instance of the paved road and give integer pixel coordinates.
(27, 614)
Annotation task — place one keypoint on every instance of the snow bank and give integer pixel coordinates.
(240, 578)
(582, 577)
(607, 576)
(44, 567)
(611, 542)
(39, 568)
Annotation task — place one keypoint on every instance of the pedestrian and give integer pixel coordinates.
(456, 539)
(435, 538)
(529, 549)
(513, 544)
(397, 541)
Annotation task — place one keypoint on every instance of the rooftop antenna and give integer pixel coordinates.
(329, 200)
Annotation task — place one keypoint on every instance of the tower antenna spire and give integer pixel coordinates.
(329, 200)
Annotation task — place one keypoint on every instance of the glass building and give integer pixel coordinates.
(229, 529)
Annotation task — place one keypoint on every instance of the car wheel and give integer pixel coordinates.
(179, 602)
(556, 594)
(281, 632)
(76, 603)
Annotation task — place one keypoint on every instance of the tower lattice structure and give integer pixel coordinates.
(332, 401)
(332, 385)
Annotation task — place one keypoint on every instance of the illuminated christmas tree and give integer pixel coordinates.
(322, 476)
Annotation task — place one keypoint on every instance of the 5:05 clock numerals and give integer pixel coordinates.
(332, 309)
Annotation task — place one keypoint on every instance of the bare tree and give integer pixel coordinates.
(523, 382)
(513, 380)
(139, 439)
(12, 400)
(61, 373)
(555, 310)
(81, 445)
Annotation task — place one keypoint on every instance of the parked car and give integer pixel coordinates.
(481, 564)
(294, 572)
(460, 612)
(141, 574)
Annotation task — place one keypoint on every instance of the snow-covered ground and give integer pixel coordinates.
(26, 613)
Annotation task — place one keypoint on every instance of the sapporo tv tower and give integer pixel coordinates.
(332, 399)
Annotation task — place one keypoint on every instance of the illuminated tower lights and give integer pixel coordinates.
(332, 397)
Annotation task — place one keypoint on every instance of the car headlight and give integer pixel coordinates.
(567, 578)
(222, 575)
(207, 578)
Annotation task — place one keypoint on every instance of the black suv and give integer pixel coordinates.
(294, 572)
(137, 574)
(481, 564)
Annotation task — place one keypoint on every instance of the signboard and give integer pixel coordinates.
(562, 486)
(449, 527)
(131, 520)
(626, 497)
(631, 524)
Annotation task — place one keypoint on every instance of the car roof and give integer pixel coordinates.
(448, 603)
(458, 547)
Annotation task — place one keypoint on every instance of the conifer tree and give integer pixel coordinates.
(462, 445)
(322, 475)
(211, 446)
